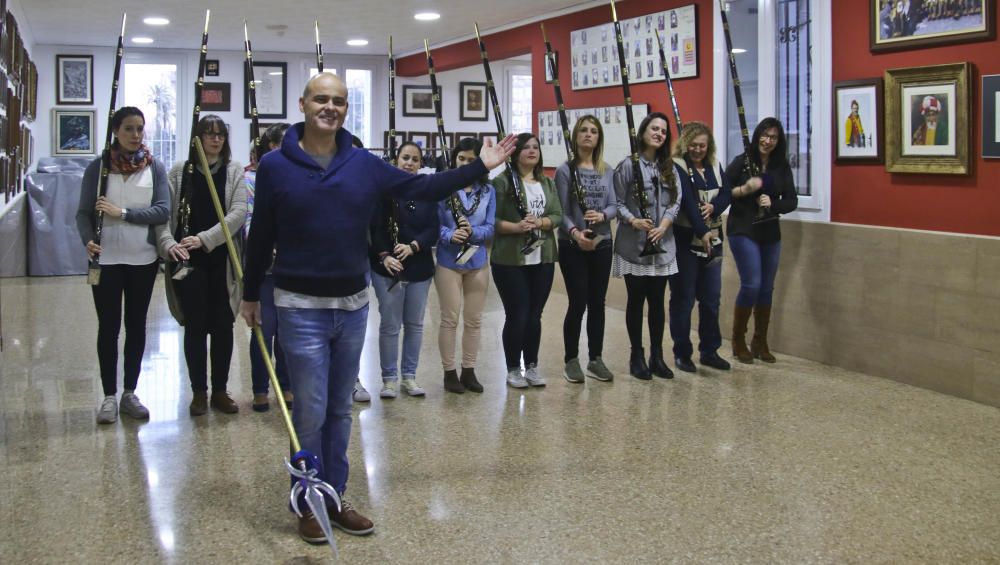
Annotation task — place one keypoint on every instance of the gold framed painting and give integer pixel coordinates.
(909, 24)
(927, 119)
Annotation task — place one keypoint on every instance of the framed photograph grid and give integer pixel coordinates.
(613, 122)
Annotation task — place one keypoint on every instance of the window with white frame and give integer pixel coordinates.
(152, 87)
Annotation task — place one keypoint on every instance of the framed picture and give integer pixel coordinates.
(73, 131)
(927, 119)
(474, 102)
(418, 101)
(449, 140)
(262, 128)
(211, 67)
(270, 84)
(216, 97)
(991, 116)
(74, 79)
(460, 135)
(551, 62)
(421, 138)
(857, 121)
(400, 138)
(491, 137)
(903, 24)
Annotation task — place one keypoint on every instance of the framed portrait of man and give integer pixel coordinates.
(857, 121)
(927, 119)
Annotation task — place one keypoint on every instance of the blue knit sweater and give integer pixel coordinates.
(316, 220)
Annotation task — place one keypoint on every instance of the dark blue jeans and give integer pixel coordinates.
(757, 264)
(523, 291)
(697, 279)
(269, 325)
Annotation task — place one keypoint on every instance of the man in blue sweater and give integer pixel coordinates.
(314, 201)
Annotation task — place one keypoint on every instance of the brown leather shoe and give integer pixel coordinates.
(349, 520)
(199, 404)
(309, 529)
(222, 402)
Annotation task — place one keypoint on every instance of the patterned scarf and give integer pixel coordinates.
(130, 163)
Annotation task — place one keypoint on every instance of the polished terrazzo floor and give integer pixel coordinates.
(792, 463)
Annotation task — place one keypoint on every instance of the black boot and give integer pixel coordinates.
(451, 383)
(658, 366)
(637, 364)
(468, 380)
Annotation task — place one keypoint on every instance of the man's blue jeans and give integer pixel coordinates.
(404, 306)
(323, 352)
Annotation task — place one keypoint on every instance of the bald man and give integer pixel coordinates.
(314, 200)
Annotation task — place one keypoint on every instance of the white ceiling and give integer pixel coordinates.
(98, 22)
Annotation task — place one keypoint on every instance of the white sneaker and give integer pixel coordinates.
(410, 386)
(388, 389)
(108, 413)
(515, 379)
(533, 376)
(360, 394)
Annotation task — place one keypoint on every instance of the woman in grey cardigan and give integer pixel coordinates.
(646, 274)
(135, 201)
(205, 302)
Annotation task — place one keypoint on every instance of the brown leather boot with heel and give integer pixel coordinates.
(741, 316)
(758, 345)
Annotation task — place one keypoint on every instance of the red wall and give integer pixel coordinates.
(694, 96)
(867, 194)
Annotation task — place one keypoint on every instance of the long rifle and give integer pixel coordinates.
(670, 85)
(533, 241)
(574, 174)
(94, 267)
(638, 183)
(183, 268)
(749, 167)
(319, 49)
(454, 204)
(252, 92)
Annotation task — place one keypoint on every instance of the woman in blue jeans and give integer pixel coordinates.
(698, 231)
(756, 244)
(402, 264)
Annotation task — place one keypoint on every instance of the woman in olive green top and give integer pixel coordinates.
(523, 276)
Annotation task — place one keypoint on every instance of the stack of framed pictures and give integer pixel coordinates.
(18, 103)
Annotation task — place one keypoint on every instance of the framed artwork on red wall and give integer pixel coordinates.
(991, 117)
(857, 121)
(911, 24)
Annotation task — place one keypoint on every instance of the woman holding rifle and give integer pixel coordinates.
(135, 203)
(401, 274)
(206, 301)
(585, 248)
(756, 246)
(639, 228)
(464, 286)
(523, 275)
(699, 249)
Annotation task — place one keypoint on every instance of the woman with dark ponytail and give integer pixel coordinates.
(135, 202)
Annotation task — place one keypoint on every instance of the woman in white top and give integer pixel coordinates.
(136, 199)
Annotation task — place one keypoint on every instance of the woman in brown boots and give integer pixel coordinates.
(754, 235)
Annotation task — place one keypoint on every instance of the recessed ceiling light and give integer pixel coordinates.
(357, 42)
(142, 40)
(737, 50)
(426, 16)
(156, 21)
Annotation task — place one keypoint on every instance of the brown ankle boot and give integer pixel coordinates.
(758, 345)
(741, 316)
(199, 404)
(222, 402)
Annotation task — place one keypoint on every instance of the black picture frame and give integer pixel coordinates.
(74, 80)
(418, 101)
(990, 116)
(475, 105)
(554, 57)
(868, 93)
(73, 131)
(271, 80)
(421, 138)
(211, 67)
(216, 97)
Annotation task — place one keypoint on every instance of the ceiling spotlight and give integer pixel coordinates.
(737, 50)
(156, 21)
(357, 42)
(427, 16)
(142, 40)
(276, 73)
